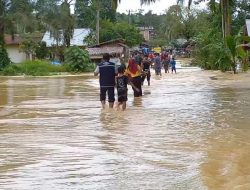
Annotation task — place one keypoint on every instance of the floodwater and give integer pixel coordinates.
(190, 131)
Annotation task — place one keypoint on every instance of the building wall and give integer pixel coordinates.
(248, 26)
(15, 55)
(146, 34)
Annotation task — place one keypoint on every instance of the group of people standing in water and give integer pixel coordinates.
(135, 73)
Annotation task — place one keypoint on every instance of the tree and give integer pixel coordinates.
(41, 50)
(111, 31)
(103, 5)
(56, 18)
(67, 22)
(85, 15)
(226, 14)
(173, 25)
(90, 11)
(28, 47)
(2, 23)
(226, 17)
(20, 17)
(241, 11)
(77, 59)
(4, 59)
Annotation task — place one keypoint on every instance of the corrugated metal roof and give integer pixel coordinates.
(102, 50)
(248, 26)
(79, 35)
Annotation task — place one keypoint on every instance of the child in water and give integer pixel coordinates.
(122, 89)
(173, 65)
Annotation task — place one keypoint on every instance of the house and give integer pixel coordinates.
(79, 35)
(12, 44)
(147, 32)
(246, 32)
(248, 25)
(116, 48)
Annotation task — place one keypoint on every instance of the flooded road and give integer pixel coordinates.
(191, 131)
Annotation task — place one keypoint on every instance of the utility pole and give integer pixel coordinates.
(129, 15)
(98, 7)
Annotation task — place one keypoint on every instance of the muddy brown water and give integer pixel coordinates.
(190, 131)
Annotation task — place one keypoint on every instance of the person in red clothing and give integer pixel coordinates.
(134, 73)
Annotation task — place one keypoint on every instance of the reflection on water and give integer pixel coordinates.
(188, 131)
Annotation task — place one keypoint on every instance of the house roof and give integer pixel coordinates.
(248, 26)
(77, 40)
(101, 50)
(117, 41)
(12, 40)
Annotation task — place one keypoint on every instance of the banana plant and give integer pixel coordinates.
(236, 50)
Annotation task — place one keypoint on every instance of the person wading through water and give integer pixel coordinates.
(134, 73)
(107, 73)
(146, 70)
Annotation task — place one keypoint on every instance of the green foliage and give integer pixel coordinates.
(77, 59)
(41, 50)
(129, 33)
(39, 68)
(85, 15)
(4, 59)
(28, 47)
(11, 70)
(35, 49)
(33, 68)
(159, 42)
(211, 52)
(90, 39)
(55, 17)
(85, 11)
(236, 51)
(19, 17)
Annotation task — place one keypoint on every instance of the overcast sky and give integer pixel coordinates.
(158, 7)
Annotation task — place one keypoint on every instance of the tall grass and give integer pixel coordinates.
(34, 68)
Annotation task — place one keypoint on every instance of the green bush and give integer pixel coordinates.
(41, 50)
(77, 60)
(211, 52)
